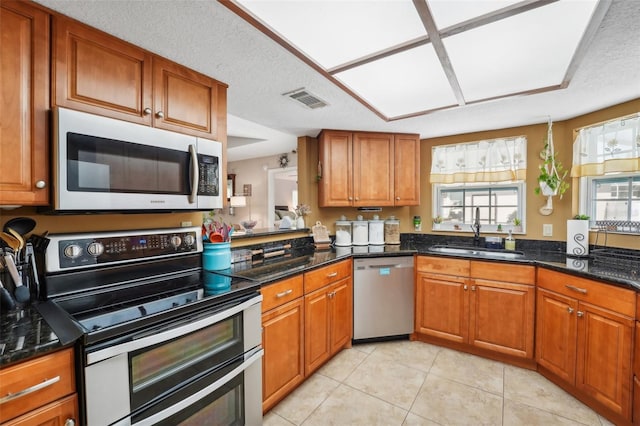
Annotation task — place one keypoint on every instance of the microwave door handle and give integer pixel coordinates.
(195, 174)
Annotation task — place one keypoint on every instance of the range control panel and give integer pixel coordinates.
(72, 251)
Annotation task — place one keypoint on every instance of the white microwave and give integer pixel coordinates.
(105, 165)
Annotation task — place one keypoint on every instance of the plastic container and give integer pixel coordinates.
(216, 256)
(392, 230)
(417, 223)
(376, 231)
(343, 232)
(360, 229)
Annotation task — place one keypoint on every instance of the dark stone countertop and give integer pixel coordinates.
(25, 334)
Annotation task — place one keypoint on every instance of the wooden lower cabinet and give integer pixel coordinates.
(283, 342)
(491, 315)
(584, 338)
(328, 322)
(60, 413)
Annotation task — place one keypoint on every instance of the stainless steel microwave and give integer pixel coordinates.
(105, 165)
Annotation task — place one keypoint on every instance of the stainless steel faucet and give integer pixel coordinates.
(476, 228)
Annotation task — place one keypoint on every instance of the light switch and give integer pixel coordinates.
(547, 230)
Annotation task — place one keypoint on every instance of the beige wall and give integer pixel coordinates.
(563, 209)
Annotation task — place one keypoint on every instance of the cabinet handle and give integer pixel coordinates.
(331, 275)
(464, 287)
(397, 198)
(160, 114)
(27, 391)
(41, 184)
(570, 310)
(69, 422)
(146, 111)
(580, 314)
(578, 289)
(473, 288)
(350, 199)
(284, 293)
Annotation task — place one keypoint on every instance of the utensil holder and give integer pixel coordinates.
(216, 256)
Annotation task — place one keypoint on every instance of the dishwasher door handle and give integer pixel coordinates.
(396, 265)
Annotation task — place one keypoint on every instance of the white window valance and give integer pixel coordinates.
(613, 146)
(493, 160)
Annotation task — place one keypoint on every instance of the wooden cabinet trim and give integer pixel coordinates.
(444, 266)
(506, 272)
(325, 275)
(281, 292)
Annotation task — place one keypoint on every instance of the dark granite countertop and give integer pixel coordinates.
(25, 334)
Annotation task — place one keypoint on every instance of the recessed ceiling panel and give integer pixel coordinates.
(447, 12)
(402, 84)
(336, 32)
(521, 53)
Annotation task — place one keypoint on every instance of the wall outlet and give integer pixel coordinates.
(547, 230)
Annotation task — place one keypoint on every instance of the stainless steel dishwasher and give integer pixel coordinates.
(383, 297)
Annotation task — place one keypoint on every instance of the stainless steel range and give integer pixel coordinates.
(156, 346)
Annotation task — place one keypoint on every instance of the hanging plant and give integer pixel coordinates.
(551, 179)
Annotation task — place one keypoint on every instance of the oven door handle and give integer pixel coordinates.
(176, 408)
(170, 334)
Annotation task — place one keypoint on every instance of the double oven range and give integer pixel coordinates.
(155, 345)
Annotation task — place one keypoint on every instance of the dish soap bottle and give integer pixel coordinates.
(510, 242)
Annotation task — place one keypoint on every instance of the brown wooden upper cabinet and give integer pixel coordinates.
(363, 169)
(24, 83)
(100, 74)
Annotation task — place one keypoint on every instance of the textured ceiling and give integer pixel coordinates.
(206, 36)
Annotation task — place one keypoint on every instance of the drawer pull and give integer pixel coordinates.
(27, 391)
(331, 275)
(284, 293)
(578, 289)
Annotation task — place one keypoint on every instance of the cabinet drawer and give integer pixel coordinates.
(521, 274)
(281, 292)
(607, 296)
(48, 377)
(320, 277)
(441, 265)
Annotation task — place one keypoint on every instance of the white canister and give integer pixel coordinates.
(360, 229)
(376, 232)
(577, 237)
(343, 233)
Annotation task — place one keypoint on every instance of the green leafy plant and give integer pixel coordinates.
(581, 217)
(437, 219)
(517, 222)
(552, 174)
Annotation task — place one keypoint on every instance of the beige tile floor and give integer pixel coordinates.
(414, 383)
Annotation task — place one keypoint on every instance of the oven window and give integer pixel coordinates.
(159, 369)
(106, 165)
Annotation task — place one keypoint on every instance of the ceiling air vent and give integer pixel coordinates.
(306, 98)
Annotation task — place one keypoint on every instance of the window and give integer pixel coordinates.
(606, 158)
(486, 175)
(501, 206)
(614, 202)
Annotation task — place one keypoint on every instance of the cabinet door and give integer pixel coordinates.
(336, 159)
(603, 367)
(184, 101)
(100, 74)
(407, 170)
(442, 307)
(373, 174)
(63, 412)
(341, 297)
(283, 361)
(556, 333)
(502, 317)
(24, 80)
(317, 347)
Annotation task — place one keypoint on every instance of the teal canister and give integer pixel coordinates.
(216, 256)
(217, 283)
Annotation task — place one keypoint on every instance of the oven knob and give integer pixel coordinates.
(176, 241)
(95, 249)
(189, 240)
(72, 251)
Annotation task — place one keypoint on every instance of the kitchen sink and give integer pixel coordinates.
(477, 252)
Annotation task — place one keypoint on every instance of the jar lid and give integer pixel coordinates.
(343, 222)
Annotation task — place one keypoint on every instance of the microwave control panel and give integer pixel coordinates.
(209, 182)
